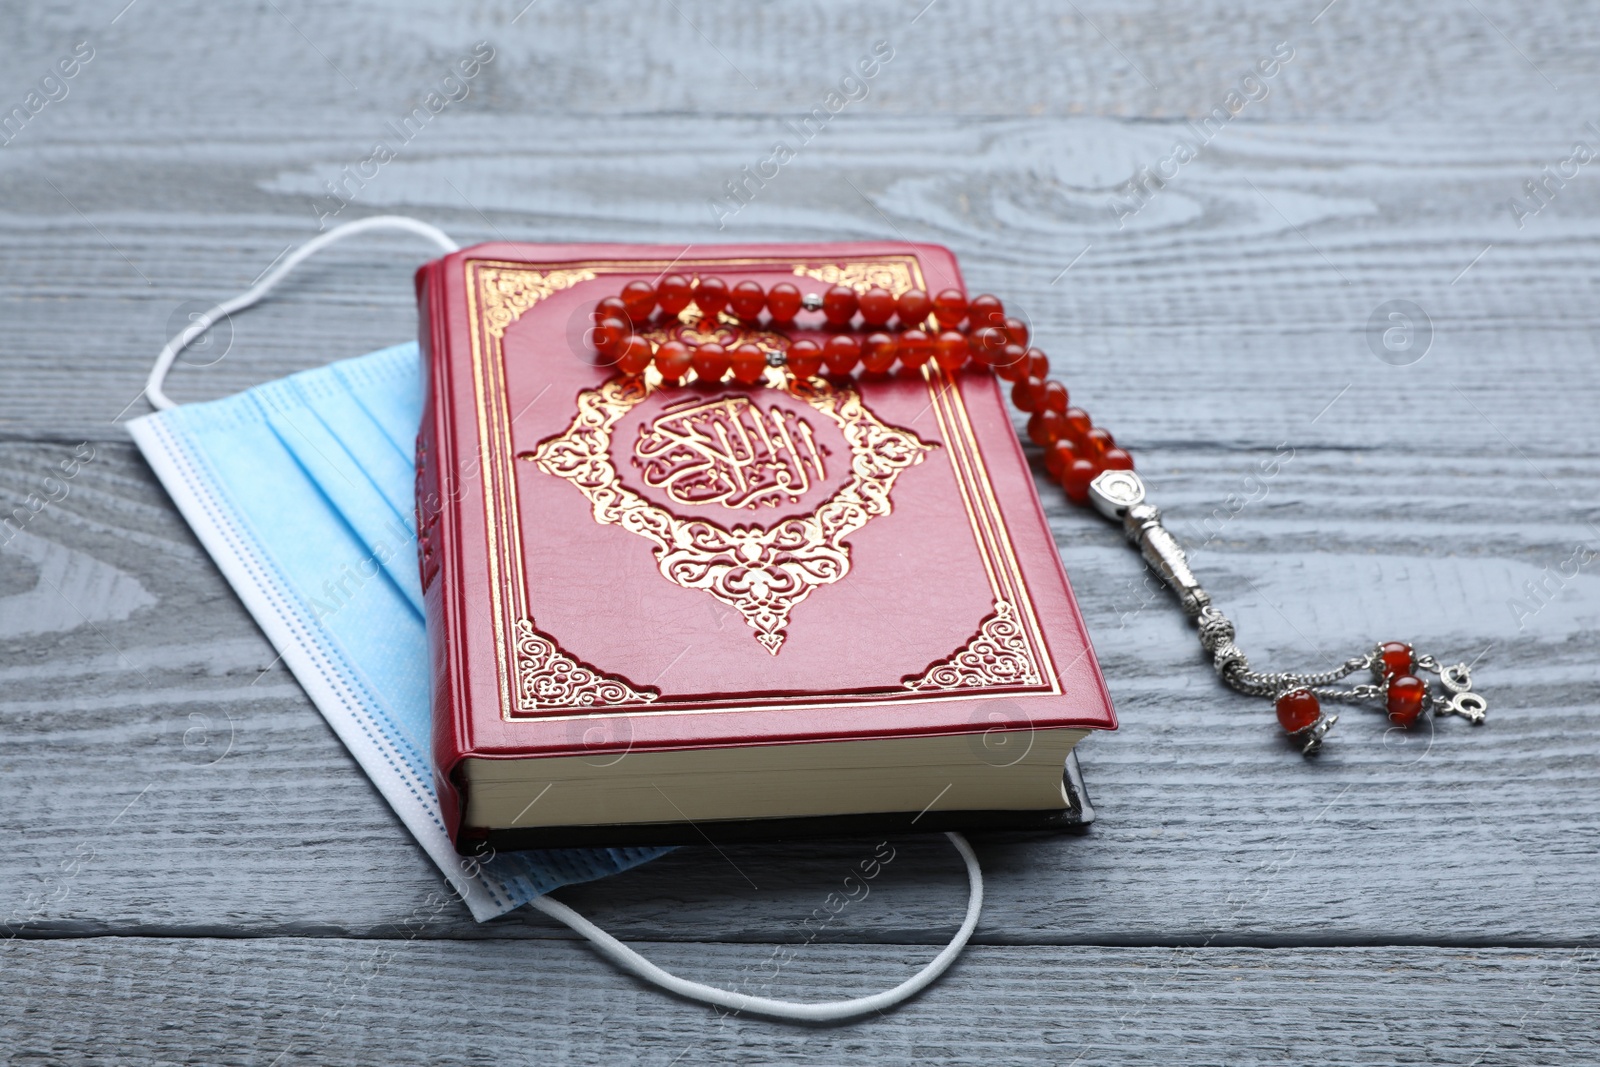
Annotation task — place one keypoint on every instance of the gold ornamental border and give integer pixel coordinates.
(499, 292)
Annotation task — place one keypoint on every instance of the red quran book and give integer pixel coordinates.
(799, 606)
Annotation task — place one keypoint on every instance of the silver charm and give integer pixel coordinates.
(1470, 706)
(1120, 496)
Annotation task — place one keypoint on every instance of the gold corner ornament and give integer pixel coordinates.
(549, 679)
(507, 293)
(761, 572)
(997, 655)
(895, 277)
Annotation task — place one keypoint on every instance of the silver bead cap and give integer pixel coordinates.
(1114, 492)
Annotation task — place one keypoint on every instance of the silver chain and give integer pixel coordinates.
(1120, 496)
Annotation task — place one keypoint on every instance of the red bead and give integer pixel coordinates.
(877, 307)
(711, 362)
(639, 297)
(986, 345)
(1116, 459)
(609, 334)
(1396, 659)
(839, 305)
(673, 360)
(784, 302)
(986, 310)
(1053, 397)
(1407, 694)
(1045, 428)
(916, 348)
(878, 352)
(1298, 710)
(1098, 442)
(841, 353)
(1027, 393)
(1058, 456)
(805, 358)
(1078, 423)
(1038, 363)
(1075, 480)
(611, 307)
(633, 355)
(749, 363)
(913, 306)
(673, 294)
(949, 308)
(950, 350)
(747, 300)
(1017, 332)
(711, 296)
(1011, 364)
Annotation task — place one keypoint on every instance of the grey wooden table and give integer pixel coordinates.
(192, 869)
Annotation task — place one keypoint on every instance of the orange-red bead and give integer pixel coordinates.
(841, 354)
(1053, 397)
(986, 310)
(673, 294)
(950, 350)
(784, 302)
(673, 360)
(877, 307)
(608, 336)
(916, 348)
(878, 352)
(711, 362)
(747, 300)
(1075, 480)
(711, 296)
(1027, 393)
(1017, 332)
(1098, 442)
(1116, 459)
(839, 305)
(949, 308)
(1038, 363)
(1407, 695)
(1298, 710)
(1078, 424)
(1011, 364)
(1045, 427)
(805, 358)
(639, 297)
(749, 363)
(633, 355)
(611, 307)
(1396, 658)
(913, 306)
(1058, 456)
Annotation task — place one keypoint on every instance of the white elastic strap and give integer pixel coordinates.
(202, 323)
(827, 1011)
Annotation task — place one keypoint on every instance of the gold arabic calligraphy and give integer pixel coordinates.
(728, 451)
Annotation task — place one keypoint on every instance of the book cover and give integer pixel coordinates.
(610, 566)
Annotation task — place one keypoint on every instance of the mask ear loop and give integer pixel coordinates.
(158, 373)
(610, 947)
(826, 1011)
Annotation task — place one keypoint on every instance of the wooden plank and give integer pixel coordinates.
(290, 1000)
(169, 777)
(1493, 59)
(1233, 309)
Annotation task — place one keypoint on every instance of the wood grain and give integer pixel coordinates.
(294, 1000)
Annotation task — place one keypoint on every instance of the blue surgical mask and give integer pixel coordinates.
(301, 490)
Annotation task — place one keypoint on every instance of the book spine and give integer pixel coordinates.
(435, 540)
